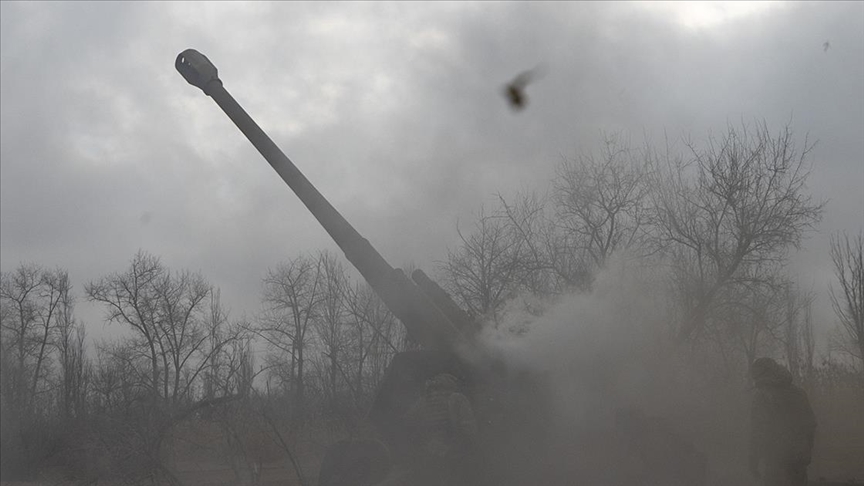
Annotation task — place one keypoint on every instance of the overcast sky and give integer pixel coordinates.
(393, 110)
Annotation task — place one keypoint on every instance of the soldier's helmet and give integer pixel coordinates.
(767, 372)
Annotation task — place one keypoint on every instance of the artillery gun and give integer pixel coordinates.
(509, 430)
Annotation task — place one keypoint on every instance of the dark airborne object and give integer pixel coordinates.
(515, 90)
(506, 403)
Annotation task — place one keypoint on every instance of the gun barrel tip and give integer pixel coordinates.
(183, 57)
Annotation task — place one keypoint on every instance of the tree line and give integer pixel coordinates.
(716, 222)
(325, 340)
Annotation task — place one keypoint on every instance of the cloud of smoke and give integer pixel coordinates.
(612, 351)
(594, 347)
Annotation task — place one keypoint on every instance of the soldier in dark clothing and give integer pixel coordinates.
(782, 426)
(444, 429)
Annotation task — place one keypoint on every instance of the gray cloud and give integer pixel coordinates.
(393, 110)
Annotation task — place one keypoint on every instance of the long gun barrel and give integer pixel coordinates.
(425, 321)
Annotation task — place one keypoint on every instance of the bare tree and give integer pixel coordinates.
(74, 365)
(733, 212)
(230, 370)
(807, 338)
(601, 201)
(553, 262)
(330, 324)
(292, 295)
(375, 337)
(747, 321)
(153, 374)
(169, 315)
(217, 376)
(54, 293)
(18, 292)
(182, 317)
(847, 255)
(34, 301)
(120, 379)
(797, 336)
(131, 300)
(598, 206)
(488, 267)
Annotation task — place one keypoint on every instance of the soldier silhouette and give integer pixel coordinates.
(782, 426)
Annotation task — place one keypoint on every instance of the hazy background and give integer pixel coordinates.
(393, 110)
